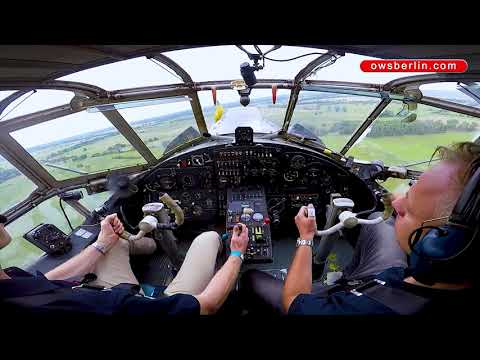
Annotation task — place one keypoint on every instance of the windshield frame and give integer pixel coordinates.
(89, 95)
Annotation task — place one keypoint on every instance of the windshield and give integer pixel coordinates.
(330, 118)
(261, 114)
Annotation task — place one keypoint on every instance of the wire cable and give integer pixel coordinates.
(156, 62)
(16, 106)
(65, 214)
(294, 58)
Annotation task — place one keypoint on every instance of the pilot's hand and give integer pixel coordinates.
(239, 241)
(306, 225)
(111, 228)
(4, 236)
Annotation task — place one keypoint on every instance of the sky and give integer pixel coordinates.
(203, 64)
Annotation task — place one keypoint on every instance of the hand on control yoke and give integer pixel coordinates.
(111, 228)
(306, 222)
(239, 239)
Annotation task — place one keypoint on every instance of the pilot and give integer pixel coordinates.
(4, 235)
(195, 290)
(380, 253)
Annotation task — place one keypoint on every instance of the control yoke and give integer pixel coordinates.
(349, 219)
(152, 213)
(341, 208)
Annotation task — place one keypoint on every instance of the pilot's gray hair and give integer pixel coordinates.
(467, 154)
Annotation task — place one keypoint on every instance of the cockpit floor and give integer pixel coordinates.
(156, 269)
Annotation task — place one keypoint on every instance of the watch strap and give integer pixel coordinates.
(237, 253)
(102, 249)
(303, 242)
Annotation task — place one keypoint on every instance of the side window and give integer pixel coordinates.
(14, 186)
(78, 144)
(401, 143)
(20, 252)
(396, 186)
(91, 202)
(405, 143)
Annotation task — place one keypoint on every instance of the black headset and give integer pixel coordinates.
(446, 253)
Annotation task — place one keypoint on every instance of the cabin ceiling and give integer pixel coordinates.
(38, 63)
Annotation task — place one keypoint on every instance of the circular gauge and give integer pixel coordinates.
(187, 180)
(197, 160)
(245, 217)
(186, 197)
(166, 182)
(290, 175)
(209, 202)
(258, 217)
(276, 204)
(197, 210)
(298, 162)
(271, 163)
(272, 172)
(254, 172)
(314, 172)
(326, 180)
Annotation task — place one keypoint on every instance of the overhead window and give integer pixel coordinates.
(449, 91)
(34, 101)
(223, 62)
(137, 72)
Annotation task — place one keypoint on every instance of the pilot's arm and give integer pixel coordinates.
(299, 276)
(4, 235)
(216, 292)
(85, 262)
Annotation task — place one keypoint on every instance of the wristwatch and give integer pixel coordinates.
(237, 253)
(301, 242)
(101, 248)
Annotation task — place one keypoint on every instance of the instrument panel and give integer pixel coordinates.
(291, 176)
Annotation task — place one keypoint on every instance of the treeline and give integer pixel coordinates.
(396, 128)
(114, 149)
(7, 174)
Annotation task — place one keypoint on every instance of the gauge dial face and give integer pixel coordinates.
(298, 162)
(187, 181)
(166, 182)
(186, 197)
(314, 172)
(209, 202)
(272, 172)
(197, 160)
(290, 175)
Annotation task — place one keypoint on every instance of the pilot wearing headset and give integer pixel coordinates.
(378, 280)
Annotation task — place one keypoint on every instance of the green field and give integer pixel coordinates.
(113, 151)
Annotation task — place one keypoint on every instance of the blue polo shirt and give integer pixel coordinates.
(115, 302)
(453, 302)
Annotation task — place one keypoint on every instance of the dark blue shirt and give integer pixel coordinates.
(63, 298)
(455, 302)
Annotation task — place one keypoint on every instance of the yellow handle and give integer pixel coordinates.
(173, 206)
